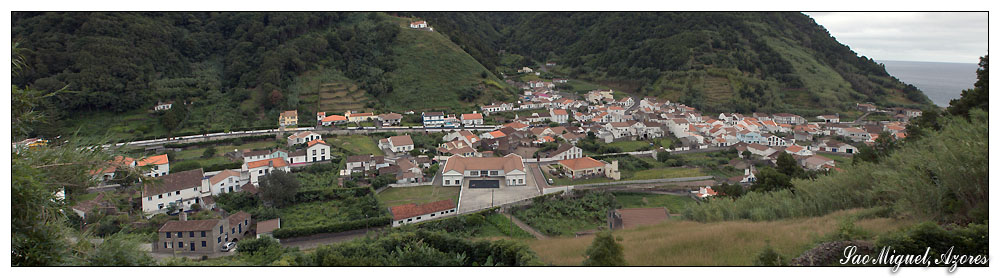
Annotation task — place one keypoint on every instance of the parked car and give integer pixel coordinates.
(229, 246)
(550, 181)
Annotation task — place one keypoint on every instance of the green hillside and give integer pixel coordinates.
(431, 72)
(720, 61)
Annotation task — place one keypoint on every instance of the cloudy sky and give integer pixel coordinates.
(912, 36)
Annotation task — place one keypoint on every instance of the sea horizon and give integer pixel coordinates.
(940, 81)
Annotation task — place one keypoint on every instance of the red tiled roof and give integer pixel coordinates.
(581, 163)
(411, 210)
(317, 141)
(154, 160)
(473, 116)
(189, 226)
(274, 162)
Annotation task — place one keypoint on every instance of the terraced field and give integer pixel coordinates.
(339, 97)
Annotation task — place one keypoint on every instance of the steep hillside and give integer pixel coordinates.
(227, 71)
(431, 72)
(715, 61)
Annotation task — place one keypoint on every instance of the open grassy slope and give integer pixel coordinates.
(431, 71)
(730, 243)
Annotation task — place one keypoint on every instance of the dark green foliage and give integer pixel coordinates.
(556, 215)
(406, 248)
(971, 240)
(228, 141)
(769, 257)
(734, 190)
(289, 232)
(185, 165)
(978, 96)
(662, 156)
(770, 179)
(591, 144)
(605, 251)
(120, 249)
(237, 201)
(255, 245)
(278, 188)
(383, 180)
(787, 165)
(476, 224)
(883, 146)
(209, 152)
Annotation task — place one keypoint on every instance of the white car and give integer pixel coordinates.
(229, 246)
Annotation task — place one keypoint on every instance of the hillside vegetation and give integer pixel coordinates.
(727, 62)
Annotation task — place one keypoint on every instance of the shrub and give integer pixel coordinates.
(291, 232)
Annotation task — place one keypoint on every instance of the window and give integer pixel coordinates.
(322, 151)
(194, 189)
(160, 206)
(220, 229)
(458, 182)
(203, 243)
(168, 194)
(191, 234)
(494, 173)
(432, 214)
(149, 199)
(314, 152)
(520, 181)
(447, 182)
(418, 217)
(246, 221)
(400, 221)
(165, 245)
(260, 171)
(473, 173)
(180, 245)
(234, 230)
(178, 192)
(202, 233)
(219, 240)
(409, 219)
(168, 234)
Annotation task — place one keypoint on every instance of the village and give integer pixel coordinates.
(548, 141)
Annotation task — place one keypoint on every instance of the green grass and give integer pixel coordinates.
(499, 225)
(630, 146)
(417, 195)
(663, 173)
(195, 153)
(312, 213)
(569, 181)
(673, 203)
(355, 144)
(431, 71)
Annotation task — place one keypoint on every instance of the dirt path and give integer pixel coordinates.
(525, 227)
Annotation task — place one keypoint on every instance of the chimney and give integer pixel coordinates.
(184, 216)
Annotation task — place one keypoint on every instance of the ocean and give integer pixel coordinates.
(941, 82)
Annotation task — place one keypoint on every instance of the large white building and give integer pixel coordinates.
(261, 168)
(317, 150)
(226, 181)
(508, 170)
(303, 137)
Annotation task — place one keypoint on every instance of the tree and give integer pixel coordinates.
(746, 154)
(275, 97)
(605, 251)
(787, 165)
(978, 96)
(278, 188)
(209, 152)
(120, 249)
(769, 257)
(662, 156)
(734, 190)
(383, 180)
(771, 180)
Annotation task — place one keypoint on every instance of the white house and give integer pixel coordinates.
(472, 119)
(418, 24)
(559, 115)
(303, 137)
(257, 169)
(566, 151)
(508, 170)
(182, 189)
(397, 144)
(317, 150)
(161, 106)
(227, 181)
(413, 213)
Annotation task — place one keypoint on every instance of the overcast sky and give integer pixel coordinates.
(915, 36)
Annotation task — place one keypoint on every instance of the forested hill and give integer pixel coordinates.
(715, 61)
(234, 70)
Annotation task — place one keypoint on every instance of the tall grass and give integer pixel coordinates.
(944, 174)
(731, 243)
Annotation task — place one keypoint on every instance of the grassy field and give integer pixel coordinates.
(673, 203)
(418, 195)
(730, 243)
(500, 226)
(630, 146)
(663, 173)
(431, 71)
(195, 153)
(355, 144)
(312, 213)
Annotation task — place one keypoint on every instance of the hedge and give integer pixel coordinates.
(223, 166)
(332, 228)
